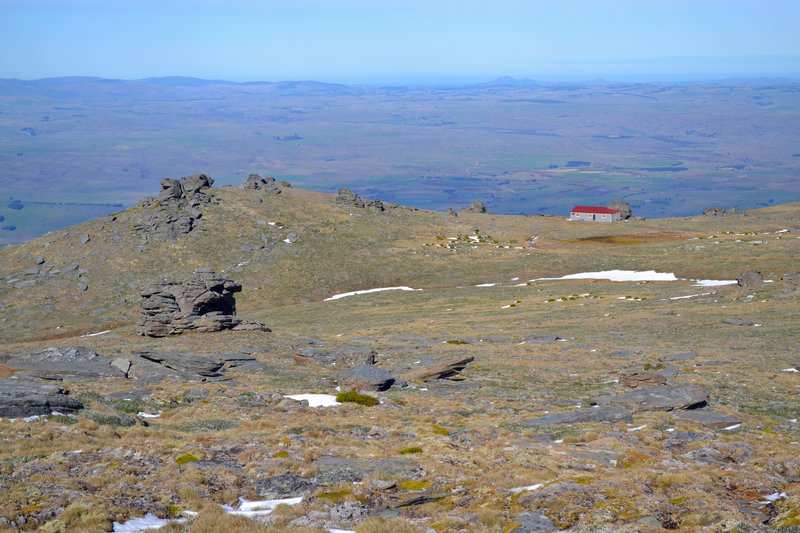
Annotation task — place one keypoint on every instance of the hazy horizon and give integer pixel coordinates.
(357, 41)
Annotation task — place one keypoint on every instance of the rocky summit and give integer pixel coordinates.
(421, 371)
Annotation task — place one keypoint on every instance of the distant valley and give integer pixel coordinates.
(72, 149)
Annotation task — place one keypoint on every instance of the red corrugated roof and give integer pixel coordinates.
(594, 210)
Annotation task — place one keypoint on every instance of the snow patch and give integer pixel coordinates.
(95, 334)
(259, 507)
(367, 291)
(486, 285)
(517, 490)
(315, 400)
(148, 521)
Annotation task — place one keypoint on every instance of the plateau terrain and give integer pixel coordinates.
(258, 356)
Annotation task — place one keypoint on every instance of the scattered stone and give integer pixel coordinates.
(184, 362)
(39, 260)
(443, 370)
(284, 486)
(709, 418)
(409, 338)
(449, 211)
(624, 208)
(792, 278)
(20, 399)
(203, 302)
(531, 521)
(686, 356)
(365, 377)
(333, 470)
(594, 414)
(475, 207)
(704, 455)
(738, 321)
(85, 238)
(82, 287)
(292, 238)
(659, 398)
(750, 278)
(348, 198)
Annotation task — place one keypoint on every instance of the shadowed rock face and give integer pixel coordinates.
(203, 302)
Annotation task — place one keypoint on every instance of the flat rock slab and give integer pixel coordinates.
(624, 353)
(686, 356)
(331, 470)
(284, 486)
(365, 377)
(709, 418)
(184, 362)
(595, 414)
(410, 338)
(738, 321)
(533, 521)
(20, 399)
(443, 370)
(659, 398)
(69, 363)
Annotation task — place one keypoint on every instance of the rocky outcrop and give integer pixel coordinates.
(348, 198)
(792, 279)
(257, 183)
(720, 211)
(624, 208)
(204, 302)
(475, 207)
(178, 207)
(750, 278)
(184, 362)
(24, 398)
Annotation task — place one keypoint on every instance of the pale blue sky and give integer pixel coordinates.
(350, 40)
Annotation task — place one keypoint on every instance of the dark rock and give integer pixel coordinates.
(348, 198)
(738, 321)
(365, 377)
(594, 414)
(333, 470)
(203, 302)
(533, 521)
(475, 207)
(750, 278)
(624, 208)
(285, 183)
(686, 356)
(24, 398)
(709, 418)
(443, 370)
(67, 363)
(39, 260)
(184, 362)
(85, 238)
(659, 398)
(82, 287)
(284, 486)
